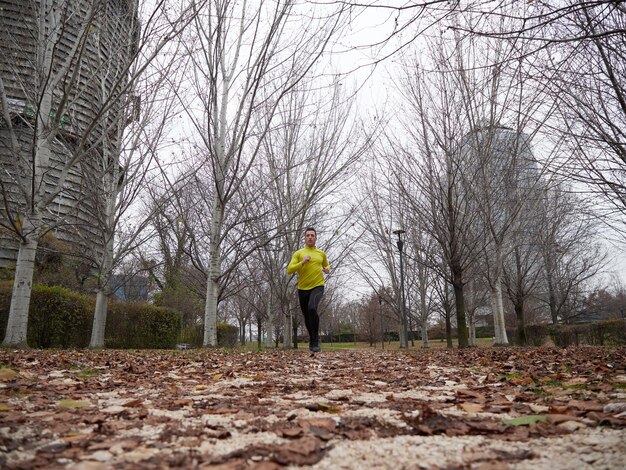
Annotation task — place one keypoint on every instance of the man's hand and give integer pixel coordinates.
(326, 270)
(306, 259)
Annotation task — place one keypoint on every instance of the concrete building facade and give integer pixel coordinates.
(76, 55)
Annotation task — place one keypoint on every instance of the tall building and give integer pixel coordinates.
(498, 161)
(503, 182)
(63, 82)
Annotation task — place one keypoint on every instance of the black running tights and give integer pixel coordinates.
(309, 300)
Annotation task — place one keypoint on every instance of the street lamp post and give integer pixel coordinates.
(405, 326)
(382, 332)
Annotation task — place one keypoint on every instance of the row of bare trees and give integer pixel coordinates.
(245, 135)
(474, 171)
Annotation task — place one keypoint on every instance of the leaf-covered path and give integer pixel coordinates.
(480, 408)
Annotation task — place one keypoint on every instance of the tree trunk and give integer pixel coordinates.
(498, 314)
(472, 333)
(212, 287)
(242, 332)
(269, 327)
(554, 313)
(288, 329)
(522, 339)
(425, 342)
(17, 325)
(448, 311)
(459, 302)
(259, 338)
(99, 319)
(102, 301)
(288, 325)
(423, 307)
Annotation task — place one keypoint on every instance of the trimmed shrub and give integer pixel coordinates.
(603, 333)
(482, 332)
(536, 335)
(192, 335)
(58, 317)
(608, 332)
(227, 335)
(566, 335)
(339, 338)
(141, 326)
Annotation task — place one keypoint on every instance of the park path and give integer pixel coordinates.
(485, 408)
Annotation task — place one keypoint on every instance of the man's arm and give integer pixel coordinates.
(295, 264)
(325, 265)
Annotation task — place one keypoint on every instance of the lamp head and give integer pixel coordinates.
(400, 243)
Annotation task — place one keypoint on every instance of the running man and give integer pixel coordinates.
(309, 262)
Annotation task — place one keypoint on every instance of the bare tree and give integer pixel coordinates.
(571, 256)
(376, 261)
(431, 171)
(306, 158)
(544, 23)
(587, 80)
(59, 118)
(246, 60)
(522, 271)
(575, 51)
(121, 225)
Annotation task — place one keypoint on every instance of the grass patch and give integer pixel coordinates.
(389, 345)
(552, 383)
(576, 387)
(85, 373)
(509, 377)
(338, 346)
(17, 394)
(540, 392)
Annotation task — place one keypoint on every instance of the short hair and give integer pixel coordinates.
(309, 229)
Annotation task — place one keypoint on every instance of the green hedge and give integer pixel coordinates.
(227, 335)
(536, 335)
(141, 326)
(60, 318)
(603, 333)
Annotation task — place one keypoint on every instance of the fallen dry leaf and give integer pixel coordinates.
(471, 407)
(208, 408)
(72, 404)
(7, 374)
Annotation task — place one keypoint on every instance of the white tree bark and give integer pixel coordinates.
(498, 313)
(213, 285)
(17, 325)
(471, 327)
(99, 320)
(269, 325)
(102, 295)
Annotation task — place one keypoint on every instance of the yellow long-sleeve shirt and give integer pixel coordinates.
(310, 273)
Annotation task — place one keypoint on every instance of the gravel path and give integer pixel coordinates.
(472, 409)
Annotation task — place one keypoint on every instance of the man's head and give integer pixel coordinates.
(310, 237)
